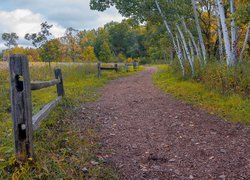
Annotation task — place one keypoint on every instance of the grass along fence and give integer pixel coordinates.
(134, 64)
(61, 145)
(21, 109)
(115, 67)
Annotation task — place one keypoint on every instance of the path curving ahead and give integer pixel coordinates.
(153, 136)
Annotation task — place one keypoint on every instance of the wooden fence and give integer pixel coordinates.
(115, 68)
(134, 64)
(21, 106)
(99, 69)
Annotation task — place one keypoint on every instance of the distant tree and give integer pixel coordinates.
(10, 40)
(71, 42)
(101, 36)
(89, 54)
(105, 53)
(54, 51)
(41, 38)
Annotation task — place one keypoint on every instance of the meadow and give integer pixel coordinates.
(61, 150)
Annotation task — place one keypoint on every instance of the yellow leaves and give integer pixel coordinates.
(129, 60)
(88, 54)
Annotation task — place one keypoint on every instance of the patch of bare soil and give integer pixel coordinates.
(151, 135)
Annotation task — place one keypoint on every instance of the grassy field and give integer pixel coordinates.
(232, 107)
(61, 151)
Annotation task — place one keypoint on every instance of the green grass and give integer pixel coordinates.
(232, 107)
(61, 149)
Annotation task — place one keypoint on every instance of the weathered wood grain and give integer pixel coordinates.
(44, 84)
(21, 109)
(39, 117)
(98, 70)
(59, 86)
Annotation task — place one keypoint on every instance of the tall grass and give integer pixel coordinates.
(62, 149)
(231, 106)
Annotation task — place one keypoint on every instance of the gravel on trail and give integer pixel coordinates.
(147, 134)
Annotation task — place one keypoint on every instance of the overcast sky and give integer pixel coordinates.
(25, 16)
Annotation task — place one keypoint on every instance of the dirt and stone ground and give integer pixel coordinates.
(146, 134)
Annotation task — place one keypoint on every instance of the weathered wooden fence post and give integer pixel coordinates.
(98, 70)
(134, 66)
(116, 67)
(21, 107)
(126, 67)
(59, 87)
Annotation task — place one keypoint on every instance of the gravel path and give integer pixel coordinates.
(153, 136)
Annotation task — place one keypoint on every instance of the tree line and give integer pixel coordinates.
(197, 31)
(194, 32)
(115, 42)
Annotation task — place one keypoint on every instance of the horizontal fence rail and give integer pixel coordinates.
(115, 67)
(39, 117)
(21, 105)
(99, 69)
(43, 84)
(134, 64)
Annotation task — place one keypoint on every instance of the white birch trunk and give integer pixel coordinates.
(245, 43)
(219, 35)
(199, 33)
(183, 52)
(234, 43)
(170, 34)
(191, 49)
(180, 54)
(225, 32)
(186, 49)
(198, 46)
(193, 41)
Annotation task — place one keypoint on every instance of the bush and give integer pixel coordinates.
(220, 77)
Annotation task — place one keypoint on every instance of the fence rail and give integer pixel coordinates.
(43, 84)
(134, 64)
(115, 68)
(99, 69)
(21, 106)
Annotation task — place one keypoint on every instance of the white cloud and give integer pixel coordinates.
(105, 17)
(25, 16)
(22, 21)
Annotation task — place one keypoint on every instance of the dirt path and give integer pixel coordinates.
(153, 136)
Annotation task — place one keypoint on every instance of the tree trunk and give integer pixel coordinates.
(169, 32)
(183, 52)
(234, 42)
(191, 49)
(180, 54)
(245, 43)
(192, 38)
(219, 36)
(199, 33)
(186, 49)
(225, 32)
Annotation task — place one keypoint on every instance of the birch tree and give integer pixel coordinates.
(225, 32)
(245, 43)
(192, 38)
(171, 35)
(219, 34)
(180, 56)
(199, 32)
(186, 49)
(234, 42)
